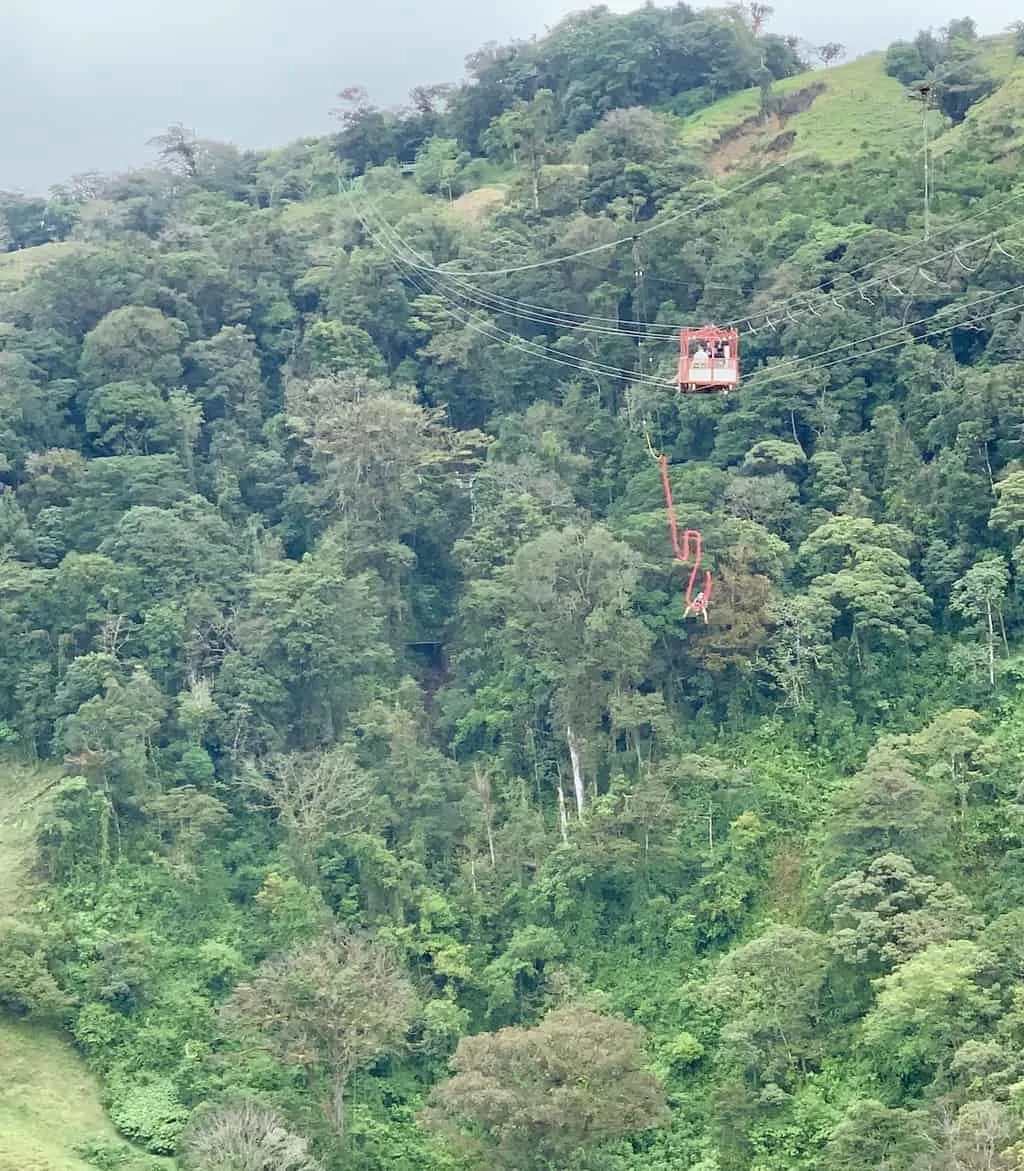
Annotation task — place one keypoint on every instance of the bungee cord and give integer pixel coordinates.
(430, 279)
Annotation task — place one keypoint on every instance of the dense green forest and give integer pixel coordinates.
(379, 808)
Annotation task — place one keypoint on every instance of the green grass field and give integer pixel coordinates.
(49, 1102)
(15, 267)
(862, 108)
(999, 120)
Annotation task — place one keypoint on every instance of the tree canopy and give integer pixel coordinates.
(380, 805)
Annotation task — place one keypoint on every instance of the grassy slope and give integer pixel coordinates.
(861, 109)
(478, 202)
(999, 120)
(49, 1103)
(22, 801)
(16, 266)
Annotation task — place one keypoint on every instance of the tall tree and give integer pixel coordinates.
(771, 991)
(179, 147)
(830, 52)
(526, 130)
(305, 653)
(926, 1008)
(378, 445)
(883, 915)
(328, 1007)
(133, 344)
(314, 796)
(978, 597)
(568, 611)
(862, 569)
(530, 1098)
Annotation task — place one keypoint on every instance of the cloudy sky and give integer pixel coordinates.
(85, 83)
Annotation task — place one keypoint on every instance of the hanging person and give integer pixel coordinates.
(698, 605)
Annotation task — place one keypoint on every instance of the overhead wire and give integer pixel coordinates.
(545, 315)
(784, 369)
(885, 278)
(675, 217)
(615, 327)
(945, 230)
(949, 227)
(521, 309)
(772, 373)
(657, 226)
(591, 323)
(788, 363)
(402, 249)
(495, 333)
(526, 308)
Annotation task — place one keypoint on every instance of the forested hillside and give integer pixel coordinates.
(367, 799)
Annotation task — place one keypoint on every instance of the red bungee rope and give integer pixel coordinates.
(683, 552)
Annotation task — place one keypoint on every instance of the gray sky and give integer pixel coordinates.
(85, 83)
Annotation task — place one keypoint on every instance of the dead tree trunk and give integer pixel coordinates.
(577, 771)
